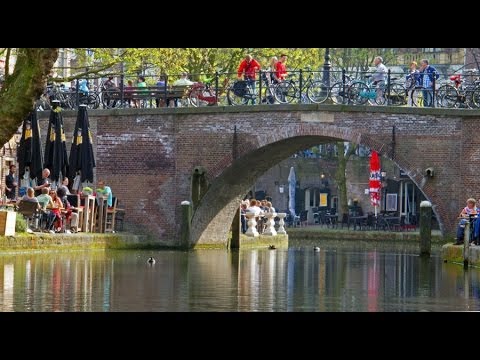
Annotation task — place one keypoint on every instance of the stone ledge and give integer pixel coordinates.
(46, 241)
(454, 253)
(344, 234)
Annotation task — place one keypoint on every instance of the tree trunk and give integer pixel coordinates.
(340, 176)
(21, 89)
(341, 180)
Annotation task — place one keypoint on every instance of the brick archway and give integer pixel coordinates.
(212, 218)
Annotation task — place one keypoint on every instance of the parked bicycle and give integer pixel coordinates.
(461, 94)
(203, 94)
(310, 91)
(390, 93)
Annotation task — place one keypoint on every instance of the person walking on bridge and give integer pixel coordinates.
(248, 69)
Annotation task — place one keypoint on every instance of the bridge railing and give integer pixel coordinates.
(302, 86)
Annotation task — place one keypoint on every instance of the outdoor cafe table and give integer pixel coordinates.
(88, 213)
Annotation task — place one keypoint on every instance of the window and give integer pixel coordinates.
(323, 199)
(391, 202)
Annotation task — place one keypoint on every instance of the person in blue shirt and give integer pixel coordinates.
(105, 191)
(83, 88)
(427, 73)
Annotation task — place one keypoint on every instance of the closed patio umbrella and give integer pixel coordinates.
(29, 152)
(82, 160)
(292, 183)
(56, 159)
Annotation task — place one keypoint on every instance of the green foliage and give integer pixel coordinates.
(20, 224)
(192, 60)
(359, 59)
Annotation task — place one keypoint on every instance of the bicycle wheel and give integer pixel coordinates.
(338, 93)
(93, 101)
(195, 97)
(317, 92)
(416, 97)
(447, 96)
(398, 95)
(358, 93)
(380, 94)
(285, 92)
(236, 93)
(476, 97)
(467, 98)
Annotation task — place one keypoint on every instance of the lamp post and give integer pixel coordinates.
(323, 180)
(89, 59)
(326, 68)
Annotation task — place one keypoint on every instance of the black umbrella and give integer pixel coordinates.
(56, 159)
(29, 152)
(82, 159)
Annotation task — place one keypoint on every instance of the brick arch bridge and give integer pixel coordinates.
(148, 156)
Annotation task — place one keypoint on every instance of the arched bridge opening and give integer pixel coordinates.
(216, 209)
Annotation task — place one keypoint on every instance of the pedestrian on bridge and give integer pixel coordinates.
(248, 69)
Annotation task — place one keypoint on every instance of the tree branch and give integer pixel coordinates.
(23, 87)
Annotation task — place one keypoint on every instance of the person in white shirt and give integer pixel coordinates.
(253, 208)
(381, 71)
(183, 80)
(180, 82)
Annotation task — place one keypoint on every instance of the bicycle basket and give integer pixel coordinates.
(240, 88)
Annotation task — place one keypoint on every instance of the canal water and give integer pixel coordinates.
(340, 277)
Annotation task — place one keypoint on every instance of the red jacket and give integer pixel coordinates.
(281, 70)
(248, 68)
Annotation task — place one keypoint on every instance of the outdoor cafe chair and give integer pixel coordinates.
(110, 218)
(31, 212)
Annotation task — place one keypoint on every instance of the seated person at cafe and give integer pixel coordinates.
(64, 186)
(45, 200)
(467, 212)
(29, 196)
(105, 191)
(56, 224)
(71, 218)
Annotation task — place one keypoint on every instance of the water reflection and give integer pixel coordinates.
(338, 278)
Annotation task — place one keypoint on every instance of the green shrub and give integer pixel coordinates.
(20, 224)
